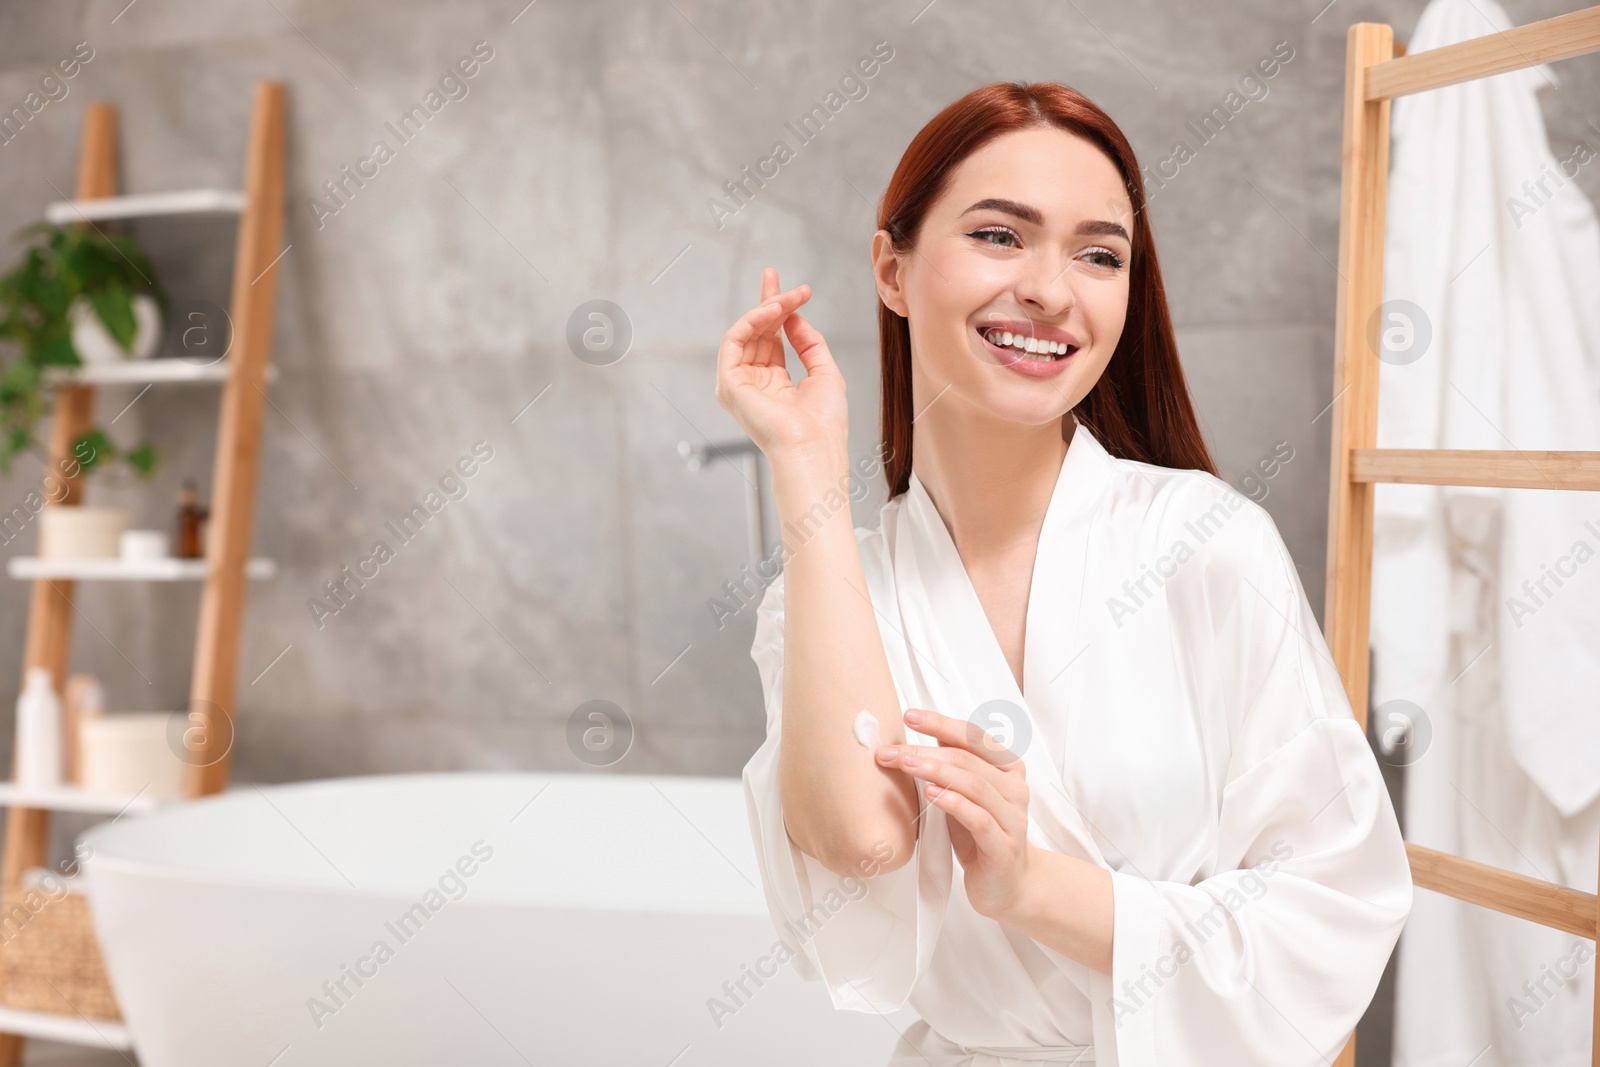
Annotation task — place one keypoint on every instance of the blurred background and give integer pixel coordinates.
(428, 311)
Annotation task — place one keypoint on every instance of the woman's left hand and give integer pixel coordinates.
(982, 787)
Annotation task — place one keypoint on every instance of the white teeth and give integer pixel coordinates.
(1031, 345)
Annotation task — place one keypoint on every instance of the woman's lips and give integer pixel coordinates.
(1027, 330)
(1023, 363)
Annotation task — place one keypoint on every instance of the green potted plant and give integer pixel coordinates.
(77, 296)
(73, 288)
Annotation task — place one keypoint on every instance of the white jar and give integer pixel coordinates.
(127, 752)
(75, 531)
(141, 545)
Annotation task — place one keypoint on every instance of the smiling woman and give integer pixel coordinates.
(1116, 793)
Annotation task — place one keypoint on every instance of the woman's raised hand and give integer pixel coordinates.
(787, 421)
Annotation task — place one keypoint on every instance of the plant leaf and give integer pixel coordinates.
(115, 307)
(93, 448)
(143, 459)
(18, 441)
(20, 381)
(56, 349)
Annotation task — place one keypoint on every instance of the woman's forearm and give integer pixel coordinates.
(1066, 904)
(839, 804)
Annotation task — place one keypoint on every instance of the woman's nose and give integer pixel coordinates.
(1046, 284)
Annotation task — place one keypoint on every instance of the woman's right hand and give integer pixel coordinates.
(786, 421)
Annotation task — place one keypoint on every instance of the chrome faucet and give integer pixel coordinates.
(744, 452)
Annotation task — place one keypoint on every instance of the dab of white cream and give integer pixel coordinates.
(867, 728)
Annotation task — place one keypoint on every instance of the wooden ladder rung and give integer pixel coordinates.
(1533, 899)
(1574, 34)
(1507, 470)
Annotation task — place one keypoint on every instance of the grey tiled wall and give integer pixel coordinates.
(429, 311)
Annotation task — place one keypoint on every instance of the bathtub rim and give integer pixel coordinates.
(98, 859)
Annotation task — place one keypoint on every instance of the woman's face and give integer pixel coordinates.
(1032, 238)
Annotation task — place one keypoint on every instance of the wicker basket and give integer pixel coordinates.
(49, 957)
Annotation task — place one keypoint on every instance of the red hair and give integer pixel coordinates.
(1139, 408)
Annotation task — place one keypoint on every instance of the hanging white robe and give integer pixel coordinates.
(1182, 725)
(1484, 605)
(1488, 235)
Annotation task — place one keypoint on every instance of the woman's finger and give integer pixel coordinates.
(989, 835)
(809, 345)
(960, 733)
(1012, 788)
(769, 331)
(965, 772)
(763, 318)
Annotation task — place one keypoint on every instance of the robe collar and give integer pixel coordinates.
(955, 653)
(1079, 489)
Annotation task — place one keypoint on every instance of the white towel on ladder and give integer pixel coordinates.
(1486, 602)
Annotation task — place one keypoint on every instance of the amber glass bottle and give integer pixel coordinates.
(191, 516)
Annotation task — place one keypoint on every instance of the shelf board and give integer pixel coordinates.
(113, 568)
(73, 798)
(157, 371)
(147, 205)
(72, 1029)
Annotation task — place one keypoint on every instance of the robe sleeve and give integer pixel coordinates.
(866, 938)
(1272, 958)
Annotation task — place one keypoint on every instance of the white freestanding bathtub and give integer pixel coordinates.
(444, 919)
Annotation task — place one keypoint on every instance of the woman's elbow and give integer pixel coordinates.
(871, 854)
(888, 853)
(858, 841)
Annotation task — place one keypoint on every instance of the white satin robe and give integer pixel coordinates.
(1189, 732)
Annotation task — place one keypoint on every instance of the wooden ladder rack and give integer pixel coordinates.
(243, 375)
(1374, 77)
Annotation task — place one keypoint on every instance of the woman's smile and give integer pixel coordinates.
(1027, 348)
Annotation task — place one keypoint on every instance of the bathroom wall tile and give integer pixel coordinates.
(148, 25)
(688, 537)
(719, 752)
(37, 34)
(41, 155)
(434, 305)
(507, 603)
(1262, 394)
(297, 746)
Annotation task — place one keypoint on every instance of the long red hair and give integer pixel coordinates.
(1140, 407)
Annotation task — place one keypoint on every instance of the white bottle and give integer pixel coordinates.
(38, 731)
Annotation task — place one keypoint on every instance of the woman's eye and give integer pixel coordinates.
(1107, 258)
(1000, 236)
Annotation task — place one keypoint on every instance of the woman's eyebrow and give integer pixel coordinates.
(1009, 207)
(1102, 228)
(1087, 228)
